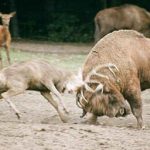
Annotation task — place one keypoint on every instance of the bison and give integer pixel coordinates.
(37, 75)
(117, 69)
(122, 17)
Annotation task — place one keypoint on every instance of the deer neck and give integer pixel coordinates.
(6, 26)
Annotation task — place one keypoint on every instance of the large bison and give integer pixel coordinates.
(122, 17)
(117, 69)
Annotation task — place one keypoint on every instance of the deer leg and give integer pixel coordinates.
(53, 89)
(8, 54)
(50, 99)
(1, 64)
(7, 95)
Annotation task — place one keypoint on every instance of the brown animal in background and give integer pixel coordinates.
(37, 75)
(117, 68)
(122, 17)
(5, 36)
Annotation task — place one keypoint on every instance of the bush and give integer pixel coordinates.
(68, 28)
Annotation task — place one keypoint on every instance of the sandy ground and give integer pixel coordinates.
(41, 129)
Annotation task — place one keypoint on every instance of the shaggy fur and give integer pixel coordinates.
(130, 52)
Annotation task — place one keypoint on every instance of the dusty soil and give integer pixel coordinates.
(41, 129)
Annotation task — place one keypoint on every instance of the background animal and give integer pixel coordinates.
(35, 75)
(122, 17)
(117, 68)
(5, 36)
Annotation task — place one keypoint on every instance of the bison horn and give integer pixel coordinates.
(99, 88)
(83, 97)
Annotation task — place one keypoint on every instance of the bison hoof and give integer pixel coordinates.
(90, 122)
(141, 127)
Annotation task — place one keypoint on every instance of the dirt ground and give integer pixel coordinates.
(41, 129)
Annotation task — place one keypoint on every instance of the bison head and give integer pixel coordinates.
(101, 98)
(107, 101)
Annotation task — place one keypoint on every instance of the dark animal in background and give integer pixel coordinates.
(122, 17)
(37, 75)
(117, 69)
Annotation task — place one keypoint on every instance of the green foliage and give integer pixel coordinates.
(69, 28)
(60, 27)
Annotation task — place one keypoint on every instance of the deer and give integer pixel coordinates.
(37, 75)
(5, 36)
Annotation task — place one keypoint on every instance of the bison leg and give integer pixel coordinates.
(135, 101)
(50, 99)
(92, 119)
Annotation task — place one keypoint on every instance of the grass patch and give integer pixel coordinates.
(68, 61)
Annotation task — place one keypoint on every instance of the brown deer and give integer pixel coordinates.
(5, 36)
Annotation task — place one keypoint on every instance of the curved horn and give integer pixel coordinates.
(94, 71)
(99, 87)
(110, 66)
(83, 97)
(78, 104)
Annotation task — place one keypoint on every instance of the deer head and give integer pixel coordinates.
(6, 18)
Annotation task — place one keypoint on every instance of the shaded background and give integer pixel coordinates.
(58, 20)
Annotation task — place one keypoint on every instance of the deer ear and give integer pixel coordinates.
(0, 14)
(13, 13)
